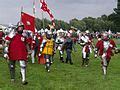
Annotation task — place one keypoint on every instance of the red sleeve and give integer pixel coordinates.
(113, 43)
(98, 44)
(8, 38)
(40, 38)
(29, 40)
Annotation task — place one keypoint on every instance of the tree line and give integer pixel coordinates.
(103, 23)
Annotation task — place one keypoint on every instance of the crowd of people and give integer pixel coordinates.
(19, 44)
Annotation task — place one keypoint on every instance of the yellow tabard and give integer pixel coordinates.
(48, 49)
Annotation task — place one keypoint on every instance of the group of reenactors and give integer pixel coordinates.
(20, 44)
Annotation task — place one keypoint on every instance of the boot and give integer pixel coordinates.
(71, 62)
(24, 83)
(104, 70)
(12, 80)
(83, 61)
(86, 62)
(61, 58)
(66, 60)
(48, 67)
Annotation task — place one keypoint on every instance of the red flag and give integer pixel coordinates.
(28, 21)
(46, 9)
(44, 6)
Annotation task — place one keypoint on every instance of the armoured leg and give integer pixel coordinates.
(61, 55)
(23, 70)
(51, 60)
(104, 70)
(87, 60)
(11, 65)
(83, 58)
(47, 65)
(83, 61)
(32, 56)
(104, 64)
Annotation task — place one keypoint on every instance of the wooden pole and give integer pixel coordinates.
(21, 12)
(43, 20)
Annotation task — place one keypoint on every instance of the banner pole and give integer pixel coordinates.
(21, 13)
(34, 14)
(43, 21)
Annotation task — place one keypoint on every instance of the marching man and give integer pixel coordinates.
(31, 43)
(59, 41)
(33, 49)
(104, 49)
(68, 45)
(86, 44)
(99, 37)
(47, 49)
(16, 50)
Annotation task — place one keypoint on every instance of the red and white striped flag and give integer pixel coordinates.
(45, 8)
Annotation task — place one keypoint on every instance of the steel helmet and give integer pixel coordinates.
(19, 24)
(87, 31)
(105, 36)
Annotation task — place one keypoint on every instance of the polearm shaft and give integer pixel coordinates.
(21, 12)
(43, 20)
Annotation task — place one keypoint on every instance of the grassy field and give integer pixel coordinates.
(64, 76)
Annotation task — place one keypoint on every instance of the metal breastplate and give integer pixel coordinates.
(106, 45)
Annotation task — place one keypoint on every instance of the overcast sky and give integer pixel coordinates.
(61, 9)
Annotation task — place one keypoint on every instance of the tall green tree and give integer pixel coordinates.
(89, 23)
(116, 17)
(79, 24)
(61, 24)
(38, 23)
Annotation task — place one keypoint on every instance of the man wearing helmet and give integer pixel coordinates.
(59, 42)
(47, 49)
(86, 43)
(104, 49)
(17, 51)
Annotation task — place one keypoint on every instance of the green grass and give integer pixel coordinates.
(118, 43)
(64, 76)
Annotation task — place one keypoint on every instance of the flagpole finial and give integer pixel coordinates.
(21, 13)
(21, 9)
